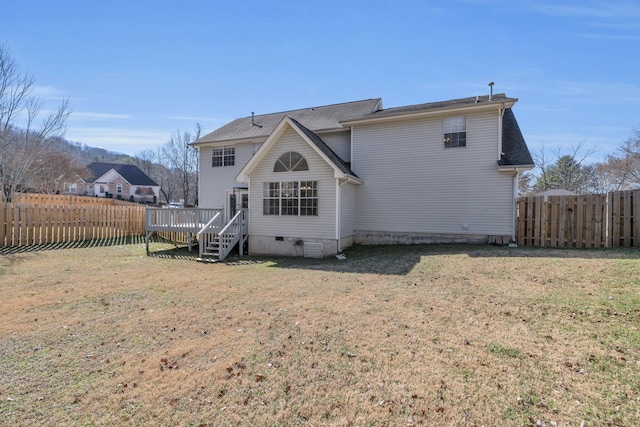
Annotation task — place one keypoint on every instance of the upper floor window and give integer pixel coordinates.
(455, 132)
(119, 188)
(223, 156)
(290, 162)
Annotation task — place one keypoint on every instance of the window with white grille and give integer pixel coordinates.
(455, 132)
(297, 198)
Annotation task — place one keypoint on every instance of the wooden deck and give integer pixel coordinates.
(184, 220)
(188, 220)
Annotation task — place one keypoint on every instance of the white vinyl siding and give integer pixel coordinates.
(214, 181)
(411, 183)
(321, 226)
(347, 209)
(340, 143)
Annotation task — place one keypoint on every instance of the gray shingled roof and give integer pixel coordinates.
(316, 119)
(432, 106)
(324, 148)
(131, 173)
(514, 147)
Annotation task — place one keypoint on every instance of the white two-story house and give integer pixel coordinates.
(319, 179)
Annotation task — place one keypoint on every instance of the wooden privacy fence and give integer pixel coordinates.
(24, 224)
(67, 199)
(580, 221)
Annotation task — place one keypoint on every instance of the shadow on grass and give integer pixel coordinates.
(401, 259)
(176, 252)
(114, 241)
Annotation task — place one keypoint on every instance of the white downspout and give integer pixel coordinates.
(516, 178)
(500, 115)
(338, 215)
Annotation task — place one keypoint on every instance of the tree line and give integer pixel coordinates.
(569, 170)
(35, 157)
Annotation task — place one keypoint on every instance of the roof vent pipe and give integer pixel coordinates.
(491, 91)
(252, 122)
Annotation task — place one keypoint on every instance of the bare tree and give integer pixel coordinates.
(610, 175)
(630, 156)
(568, 171)
(21, 138)
(146, 160)
(619, 171)
(525, 182)
(182, 159)
(52, 168)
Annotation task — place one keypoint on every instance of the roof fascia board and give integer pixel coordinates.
(110, 171)
(337, 173)
(226, 142)
(255, 139)
(433, 112)
(514, 167)
(243, 175)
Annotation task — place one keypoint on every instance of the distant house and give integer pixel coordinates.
(325, 177)
(118, 181)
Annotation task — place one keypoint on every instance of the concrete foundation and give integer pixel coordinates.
(289, 246)
(402, 238)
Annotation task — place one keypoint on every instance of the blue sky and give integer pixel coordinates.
(137, 71)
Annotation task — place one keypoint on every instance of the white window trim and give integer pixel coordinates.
(225, 158)
(266, 195)
(454, 125)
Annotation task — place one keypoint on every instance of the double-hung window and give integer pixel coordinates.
(223, 156)
(455, 132)
(297, 198)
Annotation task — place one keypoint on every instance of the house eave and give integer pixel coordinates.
(513, 168)
(197, 144)
(345, 179)
(485, 106)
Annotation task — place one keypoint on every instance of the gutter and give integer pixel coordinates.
(432, 112)
(516, 177)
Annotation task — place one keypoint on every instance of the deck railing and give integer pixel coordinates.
(170, 219)
(209, 232)
(235, 231)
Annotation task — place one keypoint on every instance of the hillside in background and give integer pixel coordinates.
(85, 154)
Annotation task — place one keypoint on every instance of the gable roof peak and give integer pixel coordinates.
(342, 169)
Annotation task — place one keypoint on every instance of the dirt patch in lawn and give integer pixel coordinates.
(401, 335)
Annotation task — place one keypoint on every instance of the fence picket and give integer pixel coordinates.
(581, 221)
(49, 221)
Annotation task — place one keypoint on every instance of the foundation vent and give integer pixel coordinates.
(313, 250)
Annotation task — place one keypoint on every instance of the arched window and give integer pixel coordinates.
(290, 162)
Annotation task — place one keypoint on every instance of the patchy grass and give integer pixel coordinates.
(401, 335)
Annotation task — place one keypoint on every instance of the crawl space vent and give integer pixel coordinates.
(313, 250)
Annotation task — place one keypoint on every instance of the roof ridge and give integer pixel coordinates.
(499, 96)
(312, 107)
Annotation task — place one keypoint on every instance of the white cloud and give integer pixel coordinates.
(49, 92)
(620, 10)
(121, 140)
(97, 116)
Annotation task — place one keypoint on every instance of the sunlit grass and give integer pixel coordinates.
(400, 335)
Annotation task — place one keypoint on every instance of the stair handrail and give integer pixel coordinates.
(226, 244)
(204, 234)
